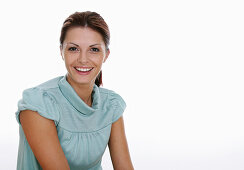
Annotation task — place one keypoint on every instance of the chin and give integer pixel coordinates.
(79, 80)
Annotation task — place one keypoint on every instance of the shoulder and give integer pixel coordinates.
(113, 98)
(50, 84)
(41, 95)
(42, 89)
(41, 99)
(114, 101)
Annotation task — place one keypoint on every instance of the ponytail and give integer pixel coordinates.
(98, 80)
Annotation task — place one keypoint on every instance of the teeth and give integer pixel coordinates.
(83, 69)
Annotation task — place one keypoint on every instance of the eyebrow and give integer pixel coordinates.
(78, 45)
(94, 45)
(74, 44)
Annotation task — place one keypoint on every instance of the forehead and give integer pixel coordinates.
(83, 35)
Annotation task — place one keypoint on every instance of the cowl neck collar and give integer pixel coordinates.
(73, 98)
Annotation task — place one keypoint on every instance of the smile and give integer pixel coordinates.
(83, 69)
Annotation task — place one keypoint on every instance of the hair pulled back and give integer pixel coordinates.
(87, 19)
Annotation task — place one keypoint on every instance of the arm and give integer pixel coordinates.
(41, 134)
(118, 147)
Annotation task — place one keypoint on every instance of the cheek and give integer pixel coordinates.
(99, 60)
(69, 60)
(68, 64)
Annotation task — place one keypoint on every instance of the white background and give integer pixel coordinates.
(178, 64)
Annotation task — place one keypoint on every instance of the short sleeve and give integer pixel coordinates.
(40, 101)
(118, 104)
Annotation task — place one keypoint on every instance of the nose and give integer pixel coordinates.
(82, 57)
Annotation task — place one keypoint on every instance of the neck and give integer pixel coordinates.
(84, 91)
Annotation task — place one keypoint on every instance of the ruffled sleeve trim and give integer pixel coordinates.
(38, 100)
(119, 105)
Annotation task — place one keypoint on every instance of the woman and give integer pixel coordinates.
(67, 122)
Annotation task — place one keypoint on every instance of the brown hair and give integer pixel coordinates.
(87, 19)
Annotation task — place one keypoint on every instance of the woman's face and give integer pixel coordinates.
(83, 51)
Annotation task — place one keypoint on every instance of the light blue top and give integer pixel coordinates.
(83, 131)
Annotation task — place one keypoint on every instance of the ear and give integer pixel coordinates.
(106, 55)
(61, 51)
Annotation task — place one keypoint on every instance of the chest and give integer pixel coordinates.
(84, 150)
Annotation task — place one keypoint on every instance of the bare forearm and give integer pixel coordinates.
(118, 147)
(41, 134)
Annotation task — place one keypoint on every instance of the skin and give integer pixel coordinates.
(118, 147)
(92, 55)
(41, 133)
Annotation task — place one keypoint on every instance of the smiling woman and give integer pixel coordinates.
(83, 51)
(67, 122)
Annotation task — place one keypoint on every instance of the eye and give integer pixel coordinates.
(95, 50)
(73, 49)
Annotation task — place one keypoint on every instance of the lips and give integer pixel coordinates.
(83, 69)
